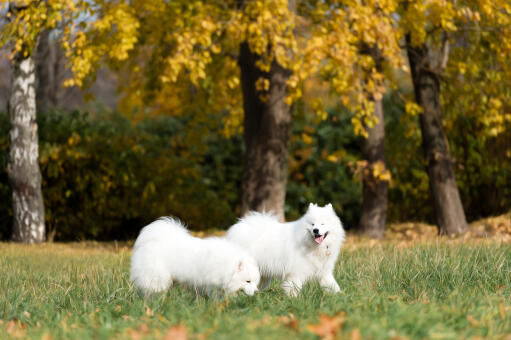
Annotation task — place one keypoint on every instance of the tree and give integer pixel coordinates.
(267, 125)
(27, 20)
(449, 213)
(180, 56)
(23, 167)
(355, 47)
(375, 180)
(450, 216)
(47, 60)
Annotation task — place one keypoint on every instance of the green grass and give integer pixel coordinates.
(437, 290)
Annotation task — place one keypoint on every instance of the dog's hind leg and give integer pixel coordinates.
(264, 282)
(292, 286)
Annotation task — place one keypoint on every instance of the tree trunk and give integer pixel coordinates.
(374, 194)
(23, 167)
(267, 127)
(46, 89)
(449, 213)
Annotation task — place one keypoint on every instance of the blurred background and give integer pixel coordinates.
(393, 111)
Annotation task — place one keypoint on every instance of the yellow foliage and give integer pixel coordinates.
(380, 172)
(176, 56)
(28, 18)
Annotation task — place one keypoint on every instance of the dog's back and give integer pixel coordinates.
(267, 239)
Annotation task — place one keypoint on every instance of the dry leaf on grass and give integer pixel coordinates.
(502, 311)
(178, 332)
(355, 334)
(137, 334)
(206, 334)
(472, 321)
(46, 336)
(289, 321)
(149, 312)
(328, 326)
(16, 329)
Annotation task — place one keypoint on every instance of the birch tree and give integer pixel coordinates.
(26, 20)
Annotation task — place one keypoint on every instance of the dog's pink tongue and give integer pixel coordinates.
(319, 239)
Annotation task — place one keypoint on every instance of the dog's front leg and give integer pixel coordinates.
(327, 281)
(292, 286)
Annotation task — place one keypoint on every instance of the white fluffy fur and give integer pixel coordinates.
(289, 250)
(165, 252)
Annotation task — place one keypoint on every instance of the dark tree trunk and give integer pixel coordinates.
(449, 213)
(267, 127)
(23, 167)
(45, 60)
(374, 194)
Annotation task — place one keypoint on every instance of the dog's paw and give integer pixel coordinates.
(290, 288)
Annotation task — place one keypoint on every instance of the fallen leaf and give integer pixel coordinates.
(178, 332)
(472, 321)
(46, 336)
(27, 314)
(134, 335)
(149, 312)
(328, 326)
(206, 334)
(137, 334)
(355, 335)
(257, 323)
(289, 321)
(117, 308)
(16, 329)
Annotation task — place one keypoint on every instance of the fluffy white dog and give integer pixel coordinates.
(296, 251)
(165, 252)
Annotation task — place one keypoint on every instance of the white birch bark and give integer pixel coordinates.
(23, 166)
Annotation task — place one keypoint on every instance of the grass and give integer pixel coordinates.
(440, 289)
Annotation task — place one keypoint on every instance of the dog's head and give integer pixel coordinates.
(246, 277)
(322, 222)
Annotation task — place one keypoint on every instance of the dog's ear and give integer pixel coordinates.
(329, 205)
(312, 205)
(240, 266)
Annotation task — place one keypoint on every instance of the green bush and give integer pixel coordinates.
(316, 177)
(105, 177)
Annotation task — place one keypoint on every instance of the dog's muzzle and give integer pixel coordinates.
(320, 238)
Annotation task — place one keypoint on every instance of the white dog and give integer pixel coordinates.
(165, 252)
(295, 251)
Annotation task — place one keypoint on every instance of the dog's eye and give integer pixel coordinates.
(248, 281)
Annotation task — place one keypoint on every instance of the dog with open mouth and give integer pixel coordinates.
(295, 251)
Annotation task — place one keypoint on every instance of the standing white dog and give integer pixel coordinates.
(165, 252)
(295, 251)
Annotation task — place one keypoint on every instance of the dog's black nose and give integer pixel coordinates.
(315, 230)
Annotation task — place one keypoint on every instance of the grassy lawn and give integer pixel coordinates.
(441, 289)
